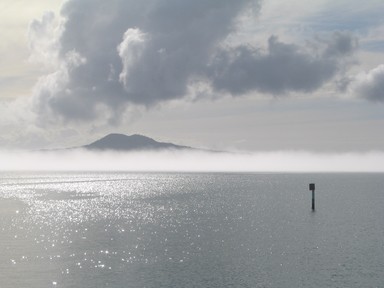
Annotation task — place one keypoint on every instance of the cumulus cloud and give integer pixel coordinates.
(140, 52)
(111, 55)
(370, 85)
(282, 68)
(130, 51)
(42, 36)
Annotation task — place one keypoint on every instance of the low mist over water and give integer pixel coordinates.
(99, 229)
(191, 161)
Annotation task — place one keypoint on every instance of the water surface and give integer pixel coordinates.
(191, 230)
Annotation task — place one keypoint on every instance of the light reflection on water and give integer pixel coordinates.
(190, 230)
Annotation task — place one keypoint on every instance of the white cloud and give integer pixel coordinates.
(369, 85)
(130, 51)
(17, 74)
(42, 40)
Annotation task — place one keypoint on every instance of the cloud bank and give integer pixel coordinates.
(177, 161)
(110, 55)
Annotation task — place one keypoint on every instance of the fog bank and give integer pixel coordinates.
(182, 161)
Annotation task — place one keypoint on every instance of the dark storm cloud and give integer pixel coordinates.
(282, 68)
(110, 54)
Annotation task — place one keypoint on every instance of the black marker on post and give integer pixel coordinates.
(312, 188)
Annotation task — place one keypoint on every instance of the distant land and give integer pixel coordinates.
(121, 142)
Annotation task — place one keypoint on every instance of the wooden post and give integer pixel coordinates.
(312, 188)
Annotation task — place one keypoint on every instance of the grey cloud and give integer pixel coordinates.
(283, 68)
(111, 54)
(370, 85)
(340, 44)
(179, 39)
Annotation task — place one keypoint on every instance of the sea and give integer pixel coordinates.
(107, 229)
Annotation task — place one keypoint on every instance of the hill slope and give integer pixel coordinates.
(120, 142)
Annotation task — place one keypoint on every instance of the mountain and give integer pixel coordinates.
(120, 142)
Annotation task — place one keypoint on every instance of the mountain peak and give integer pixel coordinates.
(121, 142)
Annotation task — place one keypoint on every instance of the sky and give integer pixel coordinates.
(245, 75)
